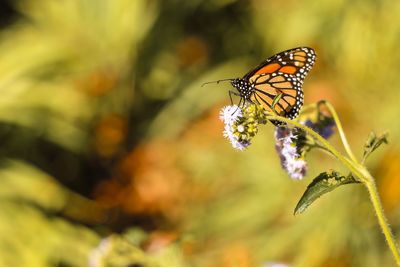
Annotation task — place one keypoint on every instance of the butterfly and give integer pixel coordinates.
(276, 84)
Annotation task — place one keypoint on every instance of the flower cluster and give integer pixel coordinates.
(292, 144)
(241, 124)
(290, 151)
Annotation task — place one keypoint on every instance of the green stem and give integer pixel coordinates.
(361, 174)
(308, 108)
(340, 129)
(376, 203)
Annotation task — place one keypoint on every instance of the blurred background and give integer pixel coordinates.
(112, 153)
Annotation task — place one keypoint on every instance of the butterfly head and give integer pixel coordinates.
(244, 88)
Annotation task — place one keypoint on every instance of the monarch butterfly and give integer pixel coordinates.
(276, 84)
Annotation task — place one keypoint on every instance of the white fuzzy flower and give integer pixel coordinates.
(228, 132)
(230, 114)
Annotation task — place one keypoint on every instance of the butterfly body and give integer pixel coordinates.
(281, 75)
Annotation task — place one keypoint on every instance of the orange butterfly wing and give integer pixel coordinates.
(284, 74)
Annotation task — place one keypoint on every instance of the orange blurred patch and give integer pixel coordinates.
(150, 180)
(388, 175)
(237, 255)
(341, 261)
(192, 51)
(159, 240)
(109, 134)
(147, 182)
(99, 82)
(322, 90)
(315, 91)
(205, 131)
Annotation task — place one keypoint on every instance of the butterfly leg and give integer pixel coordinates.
(233, 93)
(240, 101)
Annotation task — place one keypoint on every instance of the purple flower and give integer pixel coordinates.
(323, 126)
(296, 168)
(288, 151)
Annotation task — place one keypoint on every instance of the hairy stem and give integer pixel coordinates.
(376, 203)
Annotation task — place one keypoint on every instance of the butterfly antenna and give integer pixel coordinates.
(217, 82)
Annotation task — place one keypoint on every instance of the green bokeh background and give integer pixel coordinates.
(112, 153)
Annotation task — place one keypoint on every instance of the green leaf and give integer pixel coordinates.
(373, 142)
(323, 183)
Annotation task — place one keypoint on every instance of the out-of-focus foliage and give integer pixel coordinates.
(109, 138)
(31, 233)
